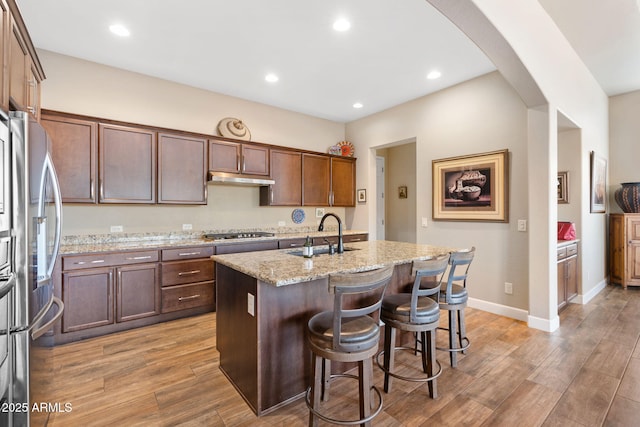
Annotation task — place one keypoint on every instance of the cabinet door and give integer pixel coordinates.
(617, 242)
(74, 149)
(88, 299)
(316, 180)
(571, 281)
(562, 288)
(224, 156)
(18, 54)
(343, 182)
(138, 291)
(633, 250)
(182, 169)
(286, 171)
(5, 23)
(255, 160)
(127, 164)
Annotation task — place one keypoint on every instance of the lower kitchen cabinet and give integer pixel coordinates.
(187, 278)
(137, 293)
(88, 299)
(567, 274)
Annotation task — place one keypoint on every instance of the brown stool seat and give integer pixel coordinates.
(349, 333)
(417, 312)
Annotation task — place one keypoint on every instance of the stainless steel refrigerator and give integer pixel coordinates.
(30, 225)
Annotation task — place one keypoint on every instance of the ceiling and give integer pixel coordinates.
(229, 47)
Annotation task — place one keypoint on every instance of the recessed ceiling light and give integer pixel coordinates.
(119, 30)
(341, 25)
(271, 78)
(357, 105)
(434, 74)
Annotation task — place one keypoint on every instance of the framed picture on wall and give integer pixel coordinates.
(471, 188)
(563, 187)
(362, 195)
(598, 183)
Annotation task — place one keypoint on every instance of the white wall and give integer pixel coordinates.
(624, 154)
(82, 87)
(481, 115)
(400, 170)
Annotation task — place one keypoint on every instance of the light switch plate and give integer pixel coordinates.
(522, 225)
(116, 229)
(251, 304)
(281, 223)
(187, 227)
(424, 221)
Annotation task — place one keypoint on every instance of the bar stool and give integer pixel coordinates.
(347, 334)
(453, 298)
(416, 312)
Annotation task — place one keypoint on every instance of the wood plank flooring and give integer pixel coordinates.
(587, 373)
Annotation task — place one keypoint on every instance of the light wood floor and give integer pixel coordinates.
(587, 373)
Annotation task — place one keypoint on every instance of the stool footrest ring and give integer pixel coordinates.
(414, 379)
(463, 348)
(343, 422)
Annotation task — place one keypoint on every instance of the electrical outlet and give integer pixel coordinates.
(116, 229)
(522, 225)
(187, 227)
(281, 223)
(424, 221)
(508, 288)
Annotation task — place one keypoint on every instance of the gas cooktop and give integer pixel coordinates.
(243, 235)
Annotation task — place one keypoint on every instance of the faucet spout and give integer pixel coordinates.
(321, 228)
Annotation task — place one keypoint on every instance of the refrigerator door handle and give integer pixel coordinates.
(7, 284)
(50, 170)
(37, 331)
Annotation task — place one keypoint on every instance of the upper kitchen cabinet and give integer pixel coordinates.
(74, 147)
(22, 71)
(328, 181)
(238, 158)
(286, 171)
(182, 169)
(343, 181)
(316, 180)
(127, 158)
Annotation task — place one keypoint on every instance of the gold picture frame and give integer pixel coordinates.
(472, 187)
(563, 187)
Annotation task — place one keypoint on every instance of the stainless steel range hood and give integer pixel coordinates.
(222, 178)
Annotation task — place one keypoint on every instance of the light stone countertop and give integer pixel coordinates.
(110, 243)
(280, 267)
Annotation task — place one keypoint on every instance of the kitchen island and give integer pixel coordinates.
(265, 299)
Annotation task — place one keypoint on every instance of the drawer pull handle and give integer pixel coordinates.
(97, 261)
(356, 240)
(189, 297)
(186, 273)
(138, 257)
(294, 245)
(189, 253)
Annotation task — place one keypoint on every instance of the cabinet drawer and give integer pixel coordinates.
(355, 238)
(562, 253)
(572, 250)
(187, 296)
(187, 253)
(235, 248)
(176, 273)
(76, 262)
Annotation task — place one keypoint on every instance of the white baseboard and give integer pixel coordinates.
(583, 299)
(502, 310)
(546, 325)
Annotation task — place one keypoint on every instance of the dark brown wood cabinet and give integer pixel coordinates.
(182, 169)
(328, 181)
(125, 287)
(127, 158)
(241, 158)
(286, 171)
(624, 249)
(21, 69)
(343, 182)
(74, 147)
(316, 180)
(567, 273)
(188, 278)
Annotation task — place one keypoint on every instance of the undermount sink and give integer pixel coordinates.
(321, 250)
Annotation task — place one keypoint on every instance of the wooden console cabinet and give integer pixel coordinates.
(624, 249)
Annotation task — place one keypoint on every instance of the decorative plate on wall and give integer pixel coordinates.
(346, 148)
(297, 216)
(230, 127)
